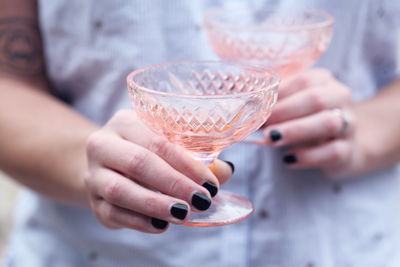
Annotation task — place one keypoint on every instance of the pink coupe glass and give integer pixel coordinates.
(205, 106)
(282, 39)
(286, 40)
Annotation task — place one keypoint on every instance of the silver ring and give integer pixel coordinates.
(345, 118)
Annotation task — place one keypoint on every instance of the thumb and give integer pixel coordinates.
(223, 170)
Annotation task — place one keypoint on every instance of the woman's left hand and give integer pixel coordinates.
(313, 118)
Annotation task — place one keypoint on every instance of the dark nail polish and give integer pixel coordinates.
(212, 188)
(275, 135)
(159, 224)
(290, 159)
(231, 165)
(179, 211)
(201, 201)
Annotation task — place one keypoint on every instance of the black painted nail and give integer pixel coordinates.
(275, 135)
(290, 159)
(201, 201)
(212, 188)
(231, 165)
(179, 211)
(159, 224)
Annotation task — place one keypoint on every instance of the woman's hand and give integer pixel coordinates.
(313, 117)
(137, 179)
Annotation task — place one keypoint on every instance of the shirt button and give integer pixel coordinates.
(381, 12)
(378, 237)
(337, 188)
(264, 214)
(98, 24)
(92, 256)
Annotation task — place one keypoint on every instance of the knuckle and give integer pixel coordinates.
(316, 100)
(123, 114)
(135, 222)
(102, 211)
(112, 191)
(111, 214)
(324, 73)
(346, 95)
(289, 132)
(193, 169)
(138, 161)
(303, 82)
(111, 226)
(94, 205)
(295, 133)
(337, 152)
(122, 118)
(87, 178)
(104, 222)
(152, 206)
(333, 124)
(319, 74)
(160, 146)
(93, 143)
(176, 186)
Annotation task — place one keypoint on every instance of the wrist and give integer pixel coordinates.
(376, 142)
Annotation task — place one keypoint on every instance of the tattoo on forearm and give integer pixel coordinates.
(20, 47)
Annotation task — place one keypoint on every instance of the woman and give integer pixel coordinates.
(302, 219)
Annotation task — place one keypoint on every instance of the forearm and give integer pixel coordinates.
(378, 127)
(42, 142)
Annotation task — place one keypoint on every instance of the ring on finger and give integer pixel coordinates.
(345, 119)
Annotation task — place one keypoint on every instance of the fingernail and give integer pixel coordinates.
(159, 224)
(212, 188)
(201, 201)
(275, 135)
(290, 159)
(231, 165)
(179, 211)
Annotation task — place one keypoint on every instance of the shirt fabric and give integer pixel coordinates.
(300, 219)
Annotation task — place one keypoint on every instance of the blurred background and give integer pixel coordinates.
(8, 195)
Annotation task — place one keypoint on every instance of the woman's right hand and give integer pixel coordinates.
(137, 179)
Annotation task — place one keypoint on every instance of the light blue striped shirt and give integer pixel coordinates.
(301, 219)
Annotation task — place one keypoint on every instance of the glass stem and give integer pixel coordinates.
(206, 157)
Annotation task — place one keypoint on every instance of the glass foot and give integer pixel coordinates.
(226, 208)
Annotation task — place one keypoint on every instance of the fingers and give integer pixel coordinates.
(127, 126)
(328, 156)
(314, 128)
(123, 193)
(223, 170)
(137, 179)
(147, 168)
(114, 217)
(309, 117)
(304, 80)
(307, 102)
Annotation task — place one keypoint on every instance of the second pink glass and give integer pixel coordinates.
(285, 40)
